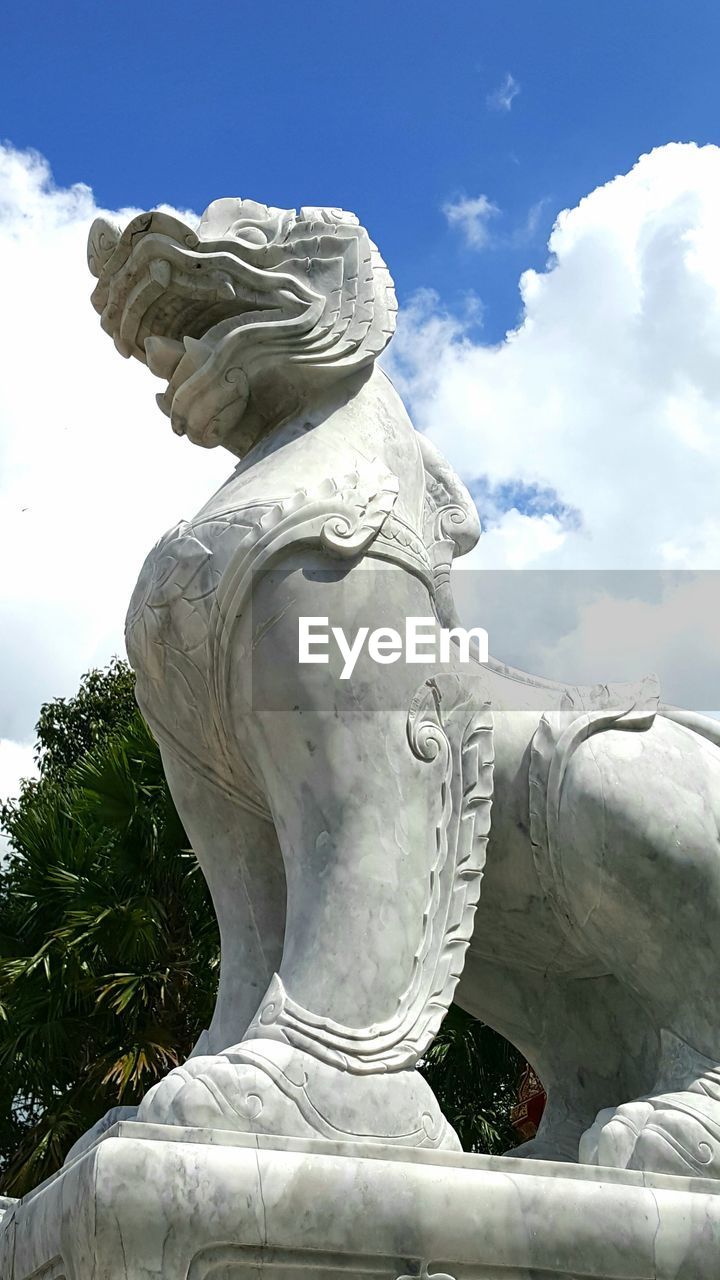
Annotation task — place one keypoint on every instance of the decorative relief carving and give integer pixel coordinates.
(451, 732)
(342, 517)
(192, 591)
(451, 526)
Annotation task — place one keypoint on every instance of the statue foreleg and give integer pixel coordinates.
(380, 790)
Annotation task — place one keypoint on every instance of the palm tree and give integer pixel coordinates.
(108, 949)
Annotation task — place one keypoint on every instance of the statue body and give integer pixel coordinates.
(344, 827)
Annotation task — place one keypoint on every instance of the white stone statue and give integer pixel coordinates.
(343, 826)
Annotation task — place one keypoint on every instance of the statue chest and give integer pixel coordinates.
(195, 588)
(169, 633)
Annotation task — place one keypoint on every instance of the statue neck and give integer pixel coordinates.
(364, 400)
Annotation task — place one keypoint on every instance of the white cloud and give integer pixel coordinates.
(591, 434)
(502, 98)
(514, 541)
(16, 761)
(627, 635)
(90, 474)
(593, 626)
(607, 395)
(526, 231)
(471, 215)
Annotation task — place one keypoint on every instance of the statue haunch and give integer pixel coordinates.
(343, 826)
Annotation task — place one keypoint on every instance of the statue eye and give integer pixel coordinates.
(250, 234)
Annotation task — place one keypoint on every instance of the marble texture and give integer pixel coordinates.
(147, 1203)
(344, 828)
(6, 1203)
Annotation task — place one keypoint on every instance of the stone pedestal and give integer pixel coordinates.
(153, 1201)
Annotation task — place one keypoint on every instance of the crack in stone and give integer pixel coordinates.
(262, 1197)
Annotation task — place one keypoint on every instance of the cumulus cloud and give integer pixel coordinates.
(471, 215)
(90, 474)
(594, 626)
(16, 761)
(502, 98)
(606, 397)
(590, 436)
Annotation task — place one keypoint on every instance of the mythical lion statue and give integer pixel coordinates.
(344, 827)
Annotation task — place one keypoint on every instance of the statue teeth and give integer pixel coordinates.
(163, 356)
(161, 401)
(161, 272)
(197, 351)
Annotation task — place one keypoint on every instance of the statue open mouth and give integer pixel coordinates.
(177, 303)
(241, 315)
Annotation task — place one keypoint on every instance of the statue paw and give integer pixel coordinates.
(267, 1086)
(221, 1092)
(677, 1133)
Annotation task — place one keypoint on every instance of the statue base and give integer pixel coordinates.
(156, 1201)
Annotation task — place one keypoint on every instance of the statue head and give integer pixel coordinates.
(248, 317)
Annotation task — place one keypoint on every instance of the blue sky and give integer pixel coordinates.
(381, 107)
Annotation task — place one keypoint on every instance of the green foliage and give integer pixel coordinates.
(108, 942)
(70, 727)
(474, 1074)
(109, 948)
